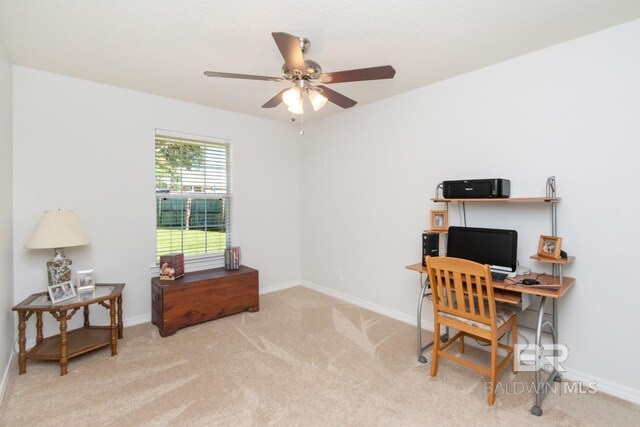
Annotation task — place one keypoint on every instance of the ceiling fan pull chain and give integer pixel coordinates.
(301, 124)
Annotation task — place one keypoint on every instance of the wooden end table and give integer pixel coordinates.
(68, 344)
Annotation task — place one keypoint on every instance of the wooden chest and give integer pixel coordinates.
(201, 296)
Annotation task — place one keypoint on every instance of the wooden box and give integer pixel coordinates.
(201, 296)
(171, 266)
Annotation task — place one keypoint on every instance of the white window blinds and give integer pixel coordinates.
(193, 198)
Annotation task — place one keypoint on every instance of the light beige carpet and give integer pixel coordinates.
(303, 359)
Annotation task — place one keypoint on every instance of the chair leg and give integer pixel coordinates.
(436, 349)
(462, 344)
(493, 373)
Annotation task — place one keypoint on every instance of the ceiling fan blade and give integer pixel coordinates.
(242, 76)
(373, 73)
(276, 100)
(291, 51)
(335, 97)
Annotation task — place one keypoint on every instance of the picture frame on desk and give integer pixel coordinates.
(61, 292)
(439, 220)
(550, 246)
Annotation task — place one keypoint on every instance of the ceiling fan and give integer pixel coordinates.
(303, 73)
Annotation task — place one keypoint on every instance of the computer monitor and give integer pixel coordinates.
(493, 246)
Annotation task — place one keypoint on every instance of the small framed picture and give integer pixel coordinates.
(166, 272)
(86, 280)
(61, 292)
(439, 220)
(549, 246)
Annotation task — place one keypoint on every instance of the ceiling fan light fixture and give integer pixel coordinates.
(292, 97)
(296, 109)
(302, 73)
(317, 100)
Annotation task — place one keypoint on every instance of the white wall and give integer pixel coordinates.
(367, 176)
(6, 217)
(571, 111)
(90, 147)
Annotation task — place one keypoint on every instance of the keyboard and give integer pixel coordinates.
(498, 277)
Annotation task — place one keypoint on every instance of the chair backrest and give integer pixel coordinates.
(462, 288)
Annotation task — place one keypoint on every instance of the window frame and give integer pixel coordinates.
(195, 262)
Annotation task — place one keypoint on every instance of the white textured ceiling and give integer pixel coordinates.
(163, 46)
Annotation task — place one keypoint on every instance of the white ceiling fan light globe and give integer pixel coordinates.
(317, 100)
(296, 109)
(292, 97)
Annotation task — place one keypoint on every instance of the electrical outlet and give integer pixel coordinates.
(340, 274)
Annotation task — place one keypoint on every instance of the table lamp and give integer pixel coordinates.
(56, 230)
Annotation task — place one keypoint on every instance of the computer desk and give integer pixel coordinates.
(511, 293)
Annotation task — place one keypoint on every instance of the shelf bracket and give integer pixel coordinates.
(551, 187)
(551, 193)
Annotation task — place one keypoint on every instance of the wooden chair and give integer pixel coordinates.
(463, 300)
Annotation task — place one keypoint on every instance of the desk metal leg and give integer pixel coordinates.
(543, 386)
(555, 316)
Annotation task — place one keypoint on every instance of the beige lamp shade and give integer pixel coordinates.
(57, 229)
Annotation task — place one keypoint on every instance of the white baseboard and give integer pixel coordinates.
(280, 286)
(604, 386)
(385, 311)
(137, 320)
(5, 377)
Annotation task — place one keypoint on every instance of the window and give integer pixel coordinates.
(193, 197)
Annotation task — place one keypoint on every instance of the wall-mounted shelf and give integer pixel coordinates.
(503, 200)
(562, 261)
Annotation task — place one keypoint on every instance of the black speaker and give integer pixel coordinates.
(430, 245)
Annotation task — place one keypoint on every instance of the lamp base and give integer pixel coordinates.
(58, 270)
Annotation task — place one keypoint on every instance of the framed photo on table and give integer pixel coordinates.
(86, 295)
(61, 292)
(86, 280)
(439, 220)
(550, 246)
